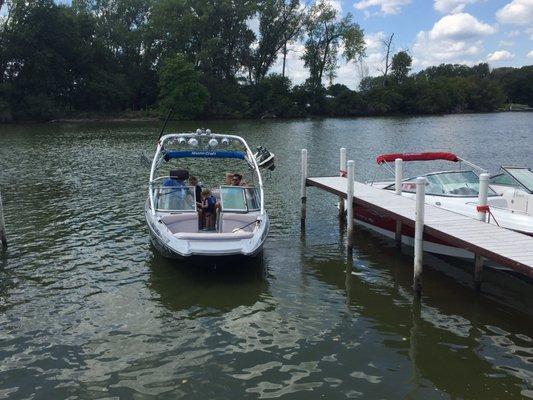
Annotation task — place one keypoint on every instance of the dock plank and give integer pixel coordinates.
(509, 248)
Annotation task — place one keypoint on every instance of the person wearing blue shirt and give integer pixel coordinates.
(174, 199)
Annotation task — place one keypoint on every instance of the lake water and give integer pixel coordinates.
(89, 310)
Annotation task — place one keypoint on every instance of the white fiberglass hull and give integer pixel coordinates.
(516, 221)
(205, 244)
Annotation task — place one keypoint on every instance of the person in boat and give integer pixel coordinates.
(209, 205)
(237, 180)
(228, 179)
(176, 178)
(174, 190)
(193, 181)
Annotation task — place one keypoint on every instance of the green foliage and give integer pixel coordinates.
(202, 58)
(180, 88)
(400, 66)
(280, 22)
(325, 33)
(517, 84)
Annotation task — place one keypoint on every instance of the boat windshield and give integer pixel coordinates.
(175, 198)
(239, 199)
(515, 177)
(453, 183)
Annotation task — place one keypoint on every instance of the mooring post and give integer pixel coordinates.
(3, 237)
(398, 185)
(349, 200)
(419, 234)
(303, 187)
(342, 172)
(482, 216)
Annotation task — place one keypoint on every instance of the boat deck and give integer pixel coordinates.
(511, 249)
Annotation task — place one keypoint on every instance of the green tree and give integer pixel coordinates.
(400, 66)
(324, 35)
(180, 88)
(42, 49)
(280, 21)
(271, 97)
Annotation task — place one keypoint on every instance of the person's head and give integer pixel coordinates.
(236, 180)
(193, 181)
(229, 178)
(206, 193)
(179, 174)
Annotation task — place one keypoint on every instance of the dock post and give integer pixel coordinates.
(419, 234)
(303, 188)
(3, 237)
(482, 216)
(342, 172)
(482, 197)
(349, 200)
(398, 185)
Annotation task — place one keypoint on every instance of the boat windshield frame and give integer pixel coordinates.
(174, 138)
(189, 191)
(506, 170)
(412, 180)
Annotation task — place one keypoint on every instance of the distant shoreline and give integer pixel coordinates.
(133, 118)
(152, 119)
(101, 119)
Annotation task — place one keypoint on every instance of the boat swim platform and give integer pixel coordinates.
(503, 246)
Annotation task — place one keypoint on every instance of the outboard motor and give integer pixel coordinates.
(264, 158)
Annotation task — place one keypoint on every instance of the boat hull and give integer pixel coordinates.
(170, 247)
(386, 226)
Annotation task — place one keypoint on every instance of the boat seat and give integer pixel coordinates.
(231, 221)
(185, 222)
(214, 236)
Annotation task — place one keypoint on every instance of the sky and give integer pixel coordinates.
(499, 32)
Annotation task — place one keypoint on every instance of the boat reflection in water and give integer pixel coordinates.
(220, 286)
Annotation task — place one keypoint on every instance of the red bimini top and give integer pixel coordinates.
(383, 158)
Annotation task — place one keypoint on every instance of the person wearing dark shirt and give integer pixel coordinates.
(209, 203)
(193, 181)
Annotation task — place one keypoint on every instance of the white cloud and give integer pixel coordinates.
(506, 43)
(375, 53)
(294, 66)
(500, 55)
(529, 32)
(517, 12)
(459, 26)
(513, 34)
(336, 5)
(374, 41)
(530, 54)
(454, 38)
(385, 6)
(451, 6)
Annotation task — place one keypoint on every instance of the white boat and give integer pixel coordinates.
(456, 191)
(515, 184)
(178, 229)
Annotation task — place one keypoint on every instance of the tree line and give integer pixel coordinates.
(205, 59)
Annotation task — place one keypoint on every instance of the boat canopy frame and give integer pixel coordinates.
(160, 154)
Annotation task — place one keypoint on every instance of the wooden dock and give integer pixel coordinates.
(508, 248)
